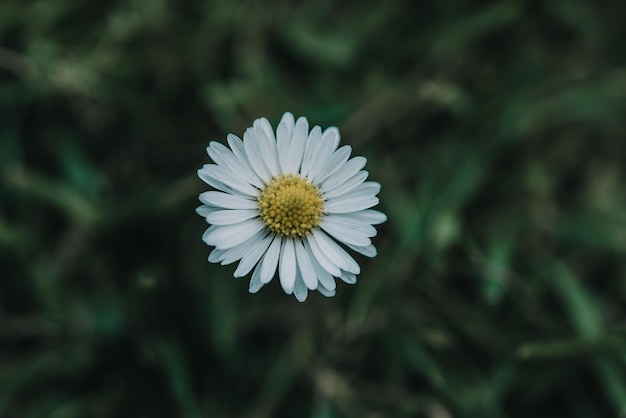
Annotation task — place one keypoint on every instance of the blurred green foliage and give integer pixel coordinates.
(496, 129)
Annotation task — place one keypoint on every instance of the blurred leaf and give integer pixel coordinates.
(59, 195)
(497, 270)
(584, 103)
(584, 313)
(322, 48)
(615, 385)
(178, 377)
(453, 37)
(423, 363)
(82, 174)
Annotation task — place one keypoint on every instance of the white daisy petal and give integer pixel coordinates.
(324, 278)
(283, 138)
(362, 197)
(335, 253)
(369, 188)
(216, 255)
(227, 236)
(326, 292)
(346, 186)
(230, 255)
(346, 206)
(312, 144)
(208, 231)
(216, 184)
(270, 260)
(300, 290)
(221, 155)
(287, 265)
(289, 122)
(297, 145)
(252, 256)
(322, 258)
(255, 282)
(329, 143)
(369, 216)
(205, 210)
(254, 155)
(231, 216)
(348, 277)
(367, 251)
(268, 151)
(236, 145)
(304, 265)
(226, 201)
(282, 203)
(266, 126)
(347, 230)
(330, 140)
(239, 150)
(349, 169)
(237, 252)
(224, 179)
(217, 153)
(284, 133)
(334, 163)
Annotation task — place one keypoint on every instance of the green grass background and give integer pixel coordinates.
(496, 128)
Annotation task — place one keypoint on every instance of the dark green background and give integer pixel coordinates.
(497, 131)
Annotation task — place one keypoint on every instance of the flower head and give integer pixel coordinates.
(284, 202)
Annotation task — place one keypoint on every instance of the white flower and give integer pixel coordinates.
(284, 201)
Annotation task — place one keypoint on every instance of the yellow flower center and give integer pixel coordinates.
(291, 205)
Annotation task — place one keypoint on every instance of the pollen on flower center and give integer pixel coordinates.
(291, 205)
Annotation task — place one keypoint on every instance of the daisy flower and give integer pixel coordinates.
(288, 202)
